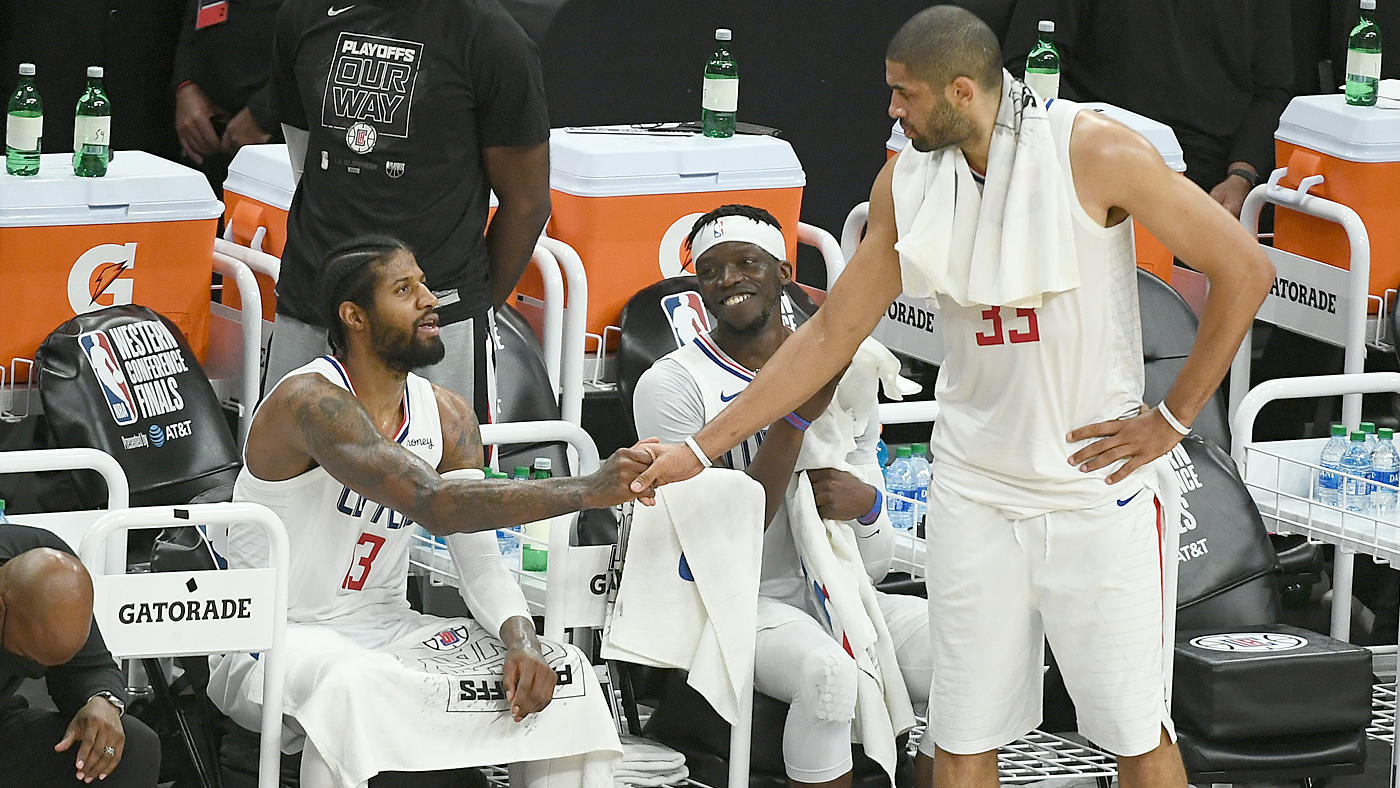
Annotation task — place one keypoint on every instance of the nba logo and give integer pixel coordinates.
(109, 376)
(686, 313)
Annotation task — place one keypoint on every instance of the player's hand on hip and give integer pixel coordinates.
(97, 730)
(670, 462)
(840, 495)
(1136, 441)
(528, 680)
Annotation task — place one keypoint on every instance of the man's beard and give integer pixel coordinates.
(758, 324)
(952, 128)
(403, 351)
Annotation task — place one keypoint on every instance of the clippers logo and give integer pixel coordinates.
(686, 314)
(447, 639)
(109, 375)
(361, 137)
(1250, 642)
(96, 282)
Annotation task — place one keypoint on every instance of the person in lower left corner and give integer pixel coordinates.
(47, 631)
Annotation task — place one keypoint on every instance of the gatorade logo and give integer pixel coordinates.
(97, 279)
(669, 256)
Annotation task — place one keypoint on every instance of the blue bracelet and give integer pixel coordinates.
(874, 514)
(797, 421)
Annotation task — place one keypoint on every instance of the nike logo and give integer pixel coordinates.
(332, 11)
(727, 397)
(1129, 499)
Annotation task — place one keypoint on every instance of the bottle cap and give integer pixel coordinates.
(26, 69)
(1046, 26)
(903, 452)
(1385, 433)
(920, 449)
(1368, 426)
(521, 470)
(724, 34)
(1358, 435)
(94, 71)
(1339, 430)
(544, 464)
(1368, 5)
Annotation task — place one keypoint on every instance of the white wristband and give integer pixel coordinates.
(1172, 420)
(699, 455)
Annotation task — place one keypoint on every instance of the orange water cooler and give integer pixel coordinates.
(625, 200)
(1151, 254)
(257, 195)
(142, 234)
(1357, 152)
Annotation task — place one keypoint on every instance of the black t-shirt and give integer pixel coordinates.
(399, 97)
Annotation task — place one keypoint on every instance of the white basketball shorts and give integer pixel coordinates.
(1089, 581)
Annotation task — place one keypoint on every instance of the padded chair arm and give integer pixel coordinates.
(1296, 555)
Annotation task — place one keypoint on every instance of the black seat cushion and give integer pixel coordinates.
(1272, 757)
(1270, 680)
(523, 391)
(1168, 331)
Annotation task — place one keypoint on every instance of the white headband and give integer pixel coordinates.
(740, 229)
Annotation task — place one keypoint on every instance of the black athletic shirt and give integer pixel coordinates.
(399, 97)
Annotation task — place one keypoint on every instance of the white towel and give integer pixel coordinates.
(648, 763)
(1007, 246)
(689, 592)
(837, 582)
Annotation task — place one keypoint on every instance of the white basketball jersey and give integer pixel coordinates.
(720, 379)
(349, 554)
(1016, 381)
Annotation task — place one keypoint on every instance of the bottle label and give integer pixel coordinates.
(1363, 65)
(720, 95)
(1386, 477)
(1047, 86)
(23, 133)
(89, 130)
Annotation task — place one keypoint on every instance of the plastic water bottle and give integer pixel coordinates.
(719, 96)
(534, 555)
(24, 125)
(923, 471)
(3, 518)
(507, 539)
(882, 455)
(92, 128)
(1329, 480)
(1364, 58)
(900, 485)
(1043, 63)
(1385, 469)
(1356, 488)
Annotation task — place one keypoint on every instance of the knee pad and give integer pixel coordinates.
(829, 685)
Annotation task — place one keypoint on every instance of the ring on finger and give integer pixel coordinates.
(110, 750)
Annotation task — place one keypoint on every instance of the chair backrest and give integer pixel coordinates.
(523, 390)
(663, 316)
(124, 380)
(1168, 331)
(1227, 567)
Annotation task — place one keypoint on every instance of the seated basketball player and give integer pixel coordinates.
(351, 451)
(740, 266)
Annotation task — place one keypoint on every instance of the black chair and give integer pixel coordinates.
(682, 719)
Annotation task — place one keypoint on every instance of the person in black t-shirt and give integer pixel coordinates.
(1217, 73)
(46, 630)
(400, 117)
(222, 97)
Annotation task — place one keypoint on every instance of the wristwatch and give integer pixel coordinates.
(111, 697)
(1251, 178)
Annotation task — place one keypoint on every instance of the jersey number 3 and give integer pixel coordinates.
(998, 335)
(365, 551)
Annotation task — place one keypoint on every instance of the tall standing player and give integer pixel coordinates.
(1042, 517)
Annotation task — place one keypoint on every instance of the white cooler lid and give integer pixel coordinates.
(1159, 134)
(602, 164)
(138, 187)
(262, 173)
(1327, 124)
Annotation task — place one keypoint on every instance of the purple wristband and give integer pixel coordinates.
(797, 421)
(874, 514)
